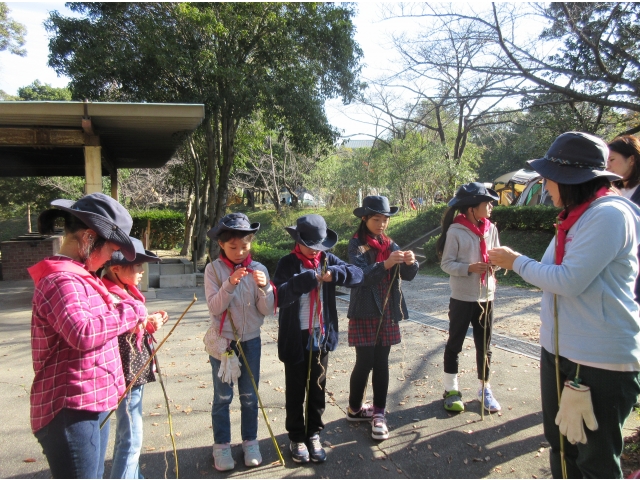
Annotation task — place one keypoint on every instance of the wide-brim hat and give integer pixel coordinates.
(374, 204)
(234, 222)
(473, 194)
(105, 216)
(142, 256)
(573, 158)
(312, 232)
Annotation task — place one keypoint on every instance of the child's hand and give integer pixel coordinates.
(409, 257)
(327, 277)
(479, 267)
(260, 278)
(394, 259)
(157, 320)
(237, 275)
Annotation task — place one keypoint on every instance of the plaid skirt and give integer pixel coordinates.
(362, 332)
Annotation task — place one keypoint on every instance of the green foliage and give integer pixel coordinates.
(40, 91)
(538, 217)
(14, 227)
(12, 33)
(267, 255)
(167, 227)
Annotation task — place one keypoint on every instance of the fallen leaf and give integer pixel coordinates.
(361, 457)
(450, 458)
(436, 454)
(155, 424)
(150, 449)
(478, 460)
(399, 471)
(429, 446)
(499, 454)
(29, 460)
(466, 461)
(486, 459)
(154, 414)
(384, 468)
(327, 443)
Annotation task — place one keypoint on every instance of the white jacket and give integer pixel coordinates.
(461, 249)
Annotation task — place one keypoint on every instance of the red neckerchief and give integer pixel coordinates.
(382, 247)
(481, 231)
(131, 293)
(566, 221)
(311, 264)
(245, 264)
(47, 267)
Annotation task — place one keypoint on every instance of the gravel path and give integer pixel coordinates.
(517, 310)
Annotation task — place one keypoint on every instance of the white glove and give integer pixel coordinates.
(223, 371)
(575, 411)
(234, 367)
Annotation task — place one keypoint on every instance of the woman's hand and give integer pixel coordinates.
(479, 267)
(394, 259)
(260, 278)
(503, 257)
(237, 275)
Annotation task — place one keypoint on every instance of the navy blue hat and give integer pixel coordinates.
(472, 194)
(312, 232)
(374, 204)
(142, 256)
(105, 216)
(573, 158)
(234, 222)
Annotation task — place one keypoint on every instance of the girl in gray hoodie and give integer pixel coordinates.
(467, 235)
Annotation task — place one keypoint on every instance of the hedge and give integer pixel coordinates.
(268, 255)
(167, 227)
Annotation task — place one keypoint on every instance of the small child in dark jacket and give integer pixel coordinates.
(306, 283)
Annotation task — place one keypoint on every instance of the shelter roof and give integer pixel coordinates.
(46, 138)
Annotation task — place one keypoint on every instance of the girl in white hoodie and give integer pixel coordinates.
(463, 246)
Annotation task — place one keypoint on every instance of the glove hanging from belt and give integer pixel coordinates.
(576, 411)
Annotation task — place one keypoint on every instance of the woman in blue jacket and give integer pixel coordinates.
(589, 318)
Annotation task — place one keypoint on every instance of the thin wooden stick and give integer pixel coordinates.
(148, 362)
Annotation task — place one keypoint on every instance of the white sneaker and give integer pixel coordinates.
(251, 449)
(222, 457)
(379, 430)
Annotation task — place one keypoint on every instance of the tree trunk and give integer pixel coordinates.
(251, 198)
(189, 218)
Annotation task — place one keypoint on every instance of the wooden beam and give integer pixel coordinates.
(92, 169)
(45, 137)
(114, 184)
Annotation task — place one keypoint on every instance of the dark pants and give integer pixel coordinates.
(461, 314)
(74, 444)
(367, 359)
(295, 384)
(612, 394)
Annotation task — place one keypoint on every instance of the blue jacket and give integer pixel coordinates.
(365, 301)
(597, 315)
(291, 285)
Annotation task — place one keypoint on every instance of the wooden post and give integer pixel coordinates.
(93, 169)
(114, 184)
(28, 218)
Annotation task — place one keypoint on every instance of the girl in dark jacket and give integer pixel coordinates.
(306, 282)
(375, 308)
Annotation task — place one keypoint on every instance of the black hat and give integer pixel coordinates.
(375, 204)
(573, 158)
(142, 256)
(472, 194)
(235, 222)
(312, 232)
(106, 216)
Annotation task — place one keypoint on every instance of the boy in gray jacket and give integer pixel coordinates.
(239, 296)
(463, 246)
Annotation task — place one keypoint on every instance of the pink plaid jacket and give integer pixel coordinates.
(74, 342)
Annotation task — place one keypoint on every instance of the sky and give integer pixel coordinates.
(372, 34)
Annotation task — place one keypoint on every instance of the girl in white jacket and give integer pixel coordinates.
(463, 245)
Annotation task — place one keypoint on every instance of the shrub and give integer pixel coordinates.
(538, 217)
(267, 255)
(167, 227)
(430, 251)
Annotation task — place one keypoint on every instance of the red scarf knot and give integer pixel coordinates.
(315, 305)
(567, 219)
(481, 231)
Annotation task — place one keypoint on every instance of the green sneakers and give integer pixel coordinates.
(453, 401)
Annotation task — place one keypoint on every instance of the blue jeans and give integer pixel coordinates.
(126, 451)
(223, 394)
(74, 444)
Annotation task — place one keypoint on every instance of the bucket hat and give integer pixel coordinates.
(105, 216)
(142, 256)
(374, 204)
(472, 194)
(312, 232)
(573, 158)
(234, 222)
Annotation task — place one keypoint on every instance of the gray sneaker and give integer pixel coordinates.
(222, 457)
(252, 456)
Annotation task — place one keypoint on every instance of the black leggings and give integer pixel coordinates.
(367, 359)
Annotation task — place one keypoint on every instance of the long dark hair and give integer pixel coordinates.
(628, 146)
(573, 195)
(447, 219)
(363, 232)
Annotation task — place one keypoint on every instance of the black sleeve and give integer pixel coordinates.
(291, 285)
(343, 274)
(359, 257)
